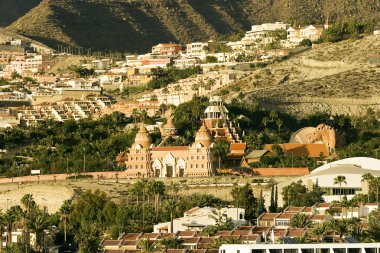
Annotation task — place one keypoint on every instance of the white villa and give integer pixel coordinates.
(197, 218)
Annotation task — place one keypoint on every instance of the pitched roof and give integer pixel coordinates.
(238, 146)
(256, 153)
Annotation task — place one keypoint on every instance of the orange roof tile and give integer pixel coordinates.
(281, 171)
(238, 146)
(174, 148)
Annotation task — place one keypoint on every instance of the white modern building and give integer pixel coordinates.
(259, 33)
(302, 248)
(351, 168)
(197, 218)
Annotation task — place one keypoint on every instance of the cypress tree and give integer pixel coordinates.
(276, 200)
(272, 201)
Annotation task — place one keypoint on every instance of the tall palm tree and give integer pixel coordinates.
(340, 180)
(146, 245)
(367, 177)
(157, 188)
(319, 230)
(12, 215)
(38, 226)
(300, 220)
(27, 201)
(172, 205)
(65, 211)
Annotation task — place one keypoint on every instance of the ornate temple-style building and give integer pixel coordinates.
(196, 160)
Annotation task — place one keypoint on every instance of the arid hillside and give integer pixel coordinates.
(336, 78)
(11, 10)
(136, 25)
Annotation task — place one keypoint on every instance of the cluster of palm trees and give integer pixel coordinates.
(339, 227)
(149, 246)
(30, 217)
(373, 186)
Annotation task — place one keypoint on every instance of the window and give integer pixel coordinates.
(142, 158)
(131, 158)
(141, 166)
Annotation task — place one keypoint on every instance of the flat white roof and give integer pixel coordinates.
(362, 162)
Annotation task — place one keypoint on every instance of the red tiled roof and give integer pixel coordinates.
(238, 146)
(269, 216)
(241, 232)
(186, 233)
(318, 217)
(285, 216)
(131, 236)
(174, 148)
(281, 171)
(249, 237)
(110, 243)
(296, 232)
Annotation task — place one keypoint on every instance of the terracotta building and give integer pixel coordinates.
(145, 160)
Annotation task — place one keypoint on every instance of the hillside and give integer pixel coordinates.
(136, 25)
(333, 77)
(11, 10)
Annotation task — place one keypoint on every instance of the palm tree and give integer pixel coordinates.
(340, 180)
(367, 177)
(319, 230)
(340, 227)
(300, 220)
(65, 212)
(28, 203)
(216, 243)
(38, 226)
(157, 188)
(146, 245)
(12, 215)
(172, 205)
(171, 243)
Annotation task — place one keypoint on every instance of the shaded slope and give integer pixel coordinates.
(136, 25)
(11, 10)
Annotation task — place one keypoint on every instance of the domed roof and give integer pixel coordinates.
(203, 137)
(143, 137)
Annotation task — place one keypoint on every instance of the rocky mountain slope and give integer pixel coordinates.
(336, 78)
(11, 10)
(136, 25)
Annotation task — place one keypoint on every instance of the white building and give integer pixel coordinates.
(311, 32)
(197, 218)
(259, 33)
(352, 168)
(302, 248)
(197, 49)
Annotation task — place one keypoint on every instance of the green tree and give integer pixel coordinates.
(146, 245)
(88, 237)
(220, 150)
(300, 220)
(65, 211)
(38, 226)
(319, 230)
(171, 243)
